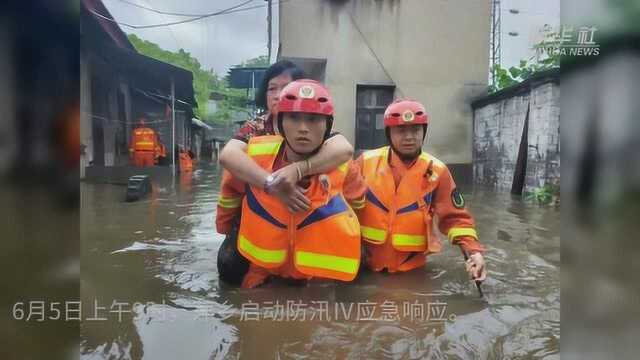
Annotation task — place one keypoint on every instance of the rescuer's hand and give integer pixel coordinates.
(288, 175)
(294, 198)
(475, 266)
(284, 188)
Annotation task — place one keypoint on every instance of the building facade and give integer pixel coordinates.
(370, 52)
(516, 135)
(118, 86)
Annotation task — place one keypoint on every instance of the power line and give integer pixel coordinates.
(147, 122)
(225, 11)
(164, 15)
(173, 35)
(164, 97)
(159, 11)
(230, 10)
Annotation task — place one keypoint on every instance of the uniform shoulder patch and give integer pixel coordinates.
(457, 199)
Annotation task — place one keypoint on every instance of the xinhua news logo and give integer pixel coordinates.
(571, 41)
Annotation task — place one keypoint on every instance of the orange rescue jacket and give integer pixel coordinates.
(321, 242)
(404, 214)
(143, 139)
(186, 163)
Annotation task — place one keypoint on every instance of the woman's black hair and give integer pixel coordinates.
(278, 68)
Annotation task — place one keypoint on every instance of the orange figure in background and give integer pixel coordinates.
(68, 130)
(143, 146)
(186, 180)
(186, 162)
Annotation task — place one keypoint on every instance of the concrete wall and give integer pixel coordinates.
(498, 127)
(111, 126)
(433, 51)
(543, 155)
(111, 83)
(93, 69)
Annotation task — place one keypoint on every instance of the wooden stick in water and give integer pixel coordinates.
(466, 257)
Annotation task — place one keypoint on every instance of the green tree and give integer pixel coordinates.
(204, 82)
(234, 99)
(255, 62)
(183, 59)
(260, 61)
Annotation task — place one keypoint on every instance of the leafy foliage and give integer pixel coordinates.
(183, 59)
(543, 60)
(205, 82)
(255, 62)
(544, 195)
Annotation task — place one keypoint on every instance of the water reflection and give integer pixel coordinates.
(160, 253)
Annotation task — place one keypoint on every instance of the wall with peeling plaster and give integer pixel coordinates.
(498, 125)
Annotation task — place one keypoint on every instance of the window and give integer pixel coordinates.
(371, 101)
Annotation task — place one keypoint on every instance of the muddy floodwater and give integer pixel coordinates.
(150, 289)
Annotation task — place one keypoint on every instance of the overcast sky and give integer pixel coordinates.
(217, 42)
(532, 16)
(222, 41)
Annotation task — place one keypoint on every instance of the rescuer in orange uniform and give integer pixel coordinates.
(186, 162)
(319, 239)
(143, 146)
(407, 188)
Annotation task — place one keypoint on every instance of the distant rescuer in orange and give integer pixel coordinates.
(143, 146)
(407, 188)
(320, 240)
(186, 161)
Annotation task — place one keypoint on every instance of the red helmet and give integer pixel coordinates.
(308, 96)
(405, 112)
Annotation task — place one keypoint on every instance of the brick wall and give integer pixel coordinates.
(498, 125)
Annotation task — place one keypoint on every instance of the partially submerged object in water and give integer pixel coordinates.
(138, 187)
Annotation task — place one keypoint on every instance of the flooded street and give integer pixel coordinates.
(150, 290)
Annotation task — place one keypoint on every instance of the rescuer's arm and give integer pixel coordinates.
(457, 223)
(235, 159)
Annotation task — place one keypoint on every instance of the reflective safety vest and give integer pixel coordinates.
(230, 200)
(143, 139)
(321, 242)
(401, 214)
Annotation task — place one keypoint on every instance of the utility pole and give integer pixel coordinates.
(494, 40)
(269, 30)
(173, 127)
(253, 90)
